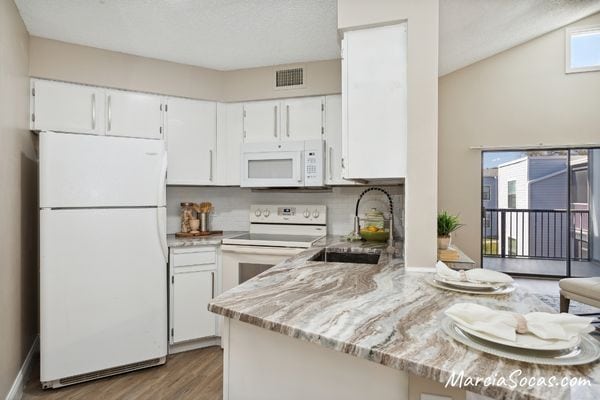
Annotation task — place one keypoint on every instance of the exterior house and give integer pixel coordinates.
(532, 199)
(489, 196)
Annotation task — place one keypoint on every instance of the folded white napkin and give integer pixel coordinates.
(472, 275)
(506, 324)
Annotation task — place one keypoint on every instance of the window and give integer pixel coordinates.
(512, 194)
(486, 192)
(583, 49)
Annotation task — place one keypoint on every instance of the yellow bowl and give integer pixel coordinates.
(380, 236)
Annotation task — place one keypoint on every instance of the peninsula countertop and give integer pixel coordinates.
(387, 314)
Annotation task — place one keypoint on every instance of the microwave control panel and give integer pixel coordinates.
(313, 163)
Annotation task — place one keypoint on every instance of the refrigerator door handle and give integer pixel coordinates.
(162, 235)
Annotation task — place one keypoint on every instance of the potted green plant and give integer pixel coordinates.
(447, 224)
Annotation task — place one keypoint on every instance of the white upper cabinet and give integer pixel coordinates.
(262, 121)
(302, 118)
(66, 107)
(133, 114)
(230, 131)
(333, 141)
(191, 131)
(374, 105)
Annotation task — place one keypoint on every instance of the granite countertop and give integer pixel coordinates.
(387, 314)
(212, 240)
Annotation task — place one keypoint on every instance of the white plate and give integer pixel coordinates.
(468, 285)
(586, 352)
(501, 290)
(525, 341)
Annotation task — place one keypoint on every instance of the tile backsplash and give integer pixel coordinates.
(232, 204)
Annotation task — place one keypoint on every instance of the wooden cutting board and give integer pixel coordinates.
(189, 234)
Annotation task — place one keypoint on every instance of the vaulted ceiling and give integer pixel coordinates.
(235, 34)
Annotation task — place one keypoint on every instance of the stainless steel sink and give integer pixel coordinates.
(346, 257)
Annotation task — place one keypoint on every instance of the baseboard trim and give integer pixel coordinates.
(16, 391)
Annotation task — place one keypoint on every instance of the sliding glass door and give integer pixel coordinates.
(538, 212)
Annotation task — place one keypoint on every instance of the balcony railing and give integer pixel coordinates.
(531, 233)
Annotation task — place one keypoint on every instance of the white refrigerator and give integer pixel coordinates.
(103, 256)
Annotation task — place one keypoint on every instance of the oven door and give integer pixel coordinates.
(272, 169)
(240, 263)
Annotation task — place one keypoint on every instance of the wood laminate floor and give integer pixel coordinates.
(196, 374)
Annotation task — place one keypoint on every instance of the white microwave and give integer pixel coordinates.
(283, 164)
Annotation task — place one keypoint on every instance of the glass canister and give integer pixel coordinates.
(374, 220)
(372, 227)
(187, 215)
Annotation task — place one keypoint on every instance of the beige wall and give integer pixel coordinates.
(521, 97)
(421, 180)
(320, 77)
(52, 59)
(70, 62)
(18, 201)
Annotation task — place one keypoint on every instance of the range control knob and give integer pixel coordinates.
(306, 213)
(316, 213)
(257, 213)
(266, 212)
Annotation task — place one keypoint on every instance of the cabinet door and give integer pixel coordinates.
(65, 107)
(333, 141)
(230, 131)
(191, 293)
(191, 129)
(302, 119)
(374, 109)
(133, 114)
(261, 121)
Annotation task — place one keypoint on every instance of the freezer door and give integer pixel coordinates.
(103, 289)
(100, 171)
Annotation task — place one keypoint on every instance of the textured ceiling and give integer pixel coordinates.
(235, 34)
(471, 30)
(219, 34)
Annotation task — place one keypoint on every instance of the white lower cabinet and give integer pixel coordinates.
(193, 283)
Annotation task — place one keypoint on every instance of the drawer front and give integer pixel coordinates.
(183, 269)
(195, 258)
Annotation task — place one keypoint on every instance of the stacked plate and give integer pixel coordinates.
(484, 288)
(582, 349)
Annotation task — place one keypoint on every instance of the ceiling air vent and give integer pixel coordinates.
(291, 78)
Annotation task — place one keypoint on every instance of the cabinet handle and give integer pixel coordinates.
(210, 152)
(109, 114)
(287, 120)
(330, 163)
(212, 286)
(275, 121)
(93, 111)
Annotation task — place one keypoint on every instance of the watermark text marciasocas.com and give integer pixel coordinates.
(514, 380)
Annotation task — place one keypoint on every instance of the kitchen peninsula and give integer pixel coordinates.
(313, 329)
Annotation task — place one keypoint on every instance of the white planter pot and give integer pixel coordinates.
(444, 242)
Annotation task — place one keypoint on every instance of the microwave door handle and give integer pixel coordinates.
(300, 172)
(275, 121)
